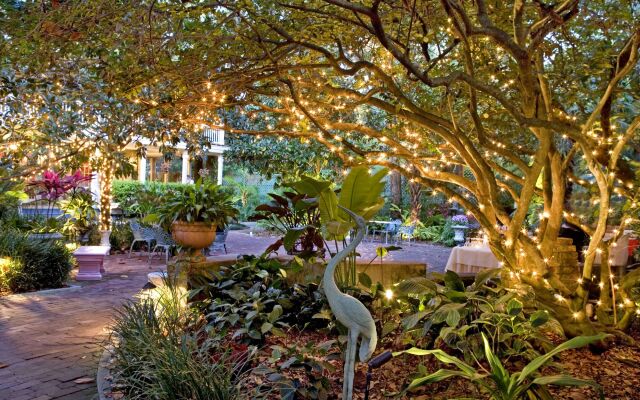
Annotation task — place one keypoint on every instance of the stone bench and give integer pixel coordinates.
(90, 262)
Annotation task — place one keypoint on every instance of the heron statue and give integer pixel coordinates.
(350, 311)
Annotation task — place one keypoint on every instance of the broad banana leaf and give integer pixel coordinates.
(361, 193)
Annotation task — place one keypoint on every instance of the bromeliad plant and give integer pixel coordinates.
(499, 383)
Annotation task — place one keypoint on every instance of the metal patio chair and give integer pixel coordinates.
(164, 241)
(140, 234)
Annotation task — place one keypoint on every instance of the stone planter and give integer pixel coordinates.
(194, 235)
(46, 236)
(459, 233)
(104, 238)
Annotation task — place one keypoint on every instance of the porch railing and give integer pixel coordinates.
(214, 136)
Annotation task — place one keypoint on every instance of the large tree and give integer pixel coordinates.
(495, 104)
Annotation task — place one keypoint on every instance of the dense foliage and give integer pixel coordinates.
(28, 264)
(138, 198)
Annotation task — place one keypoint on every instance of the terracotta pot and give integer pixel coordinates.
(195, 235)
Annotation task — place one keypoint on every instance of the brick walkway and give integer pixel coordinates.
(50, 340)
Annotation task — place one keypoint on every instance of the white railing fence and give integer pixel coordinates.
(214, 136)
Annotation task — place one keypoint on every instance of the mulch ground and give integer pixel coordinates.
(617, 370)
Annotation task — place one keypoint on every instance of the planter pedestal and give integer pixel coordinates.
(90, 262)
(459, 233)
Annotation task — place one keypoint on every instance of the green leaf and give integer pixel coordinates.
(438, 376)
(266, 327)
(291, 236)
(381, 251)
(364, 279)
(539, 318)
(452, 281)
(567, 380)
(453, 318)
(499, 375)
(413, 319)
(275, 313)
(514, 307)
(388, 327)
(416, 285)
(442, 356)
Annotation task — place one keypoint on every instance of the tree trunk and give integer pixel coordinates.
(395, 185)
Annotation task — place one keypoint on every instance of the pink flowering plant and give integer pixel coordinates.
(52, 187)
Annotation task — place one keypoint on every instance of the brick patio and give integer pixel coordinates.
(49, 340)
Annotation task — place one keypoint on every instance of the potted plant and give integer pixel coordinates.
(194, 212)
(460, 225)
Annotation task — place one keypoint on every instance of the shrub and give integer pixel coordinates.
(456, 315)
(121, 236)
(34, 264)
(442, 234)
(252, 298)
(161, 354)
(135, 197)
(501, 384)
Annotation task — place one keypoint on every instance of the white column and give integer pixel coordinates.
(95, 186)
(142, 169)
(220, 164)
(185, 166)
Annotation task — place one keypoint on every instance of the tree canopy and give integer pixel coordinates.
(477, 100)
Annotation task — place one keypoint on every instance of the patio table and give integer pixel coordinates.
(471, 259)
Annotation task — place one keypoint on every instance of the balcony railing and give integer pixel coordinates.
(214, 136)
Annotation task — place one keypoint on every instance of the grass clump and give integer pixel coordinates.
(161, 353)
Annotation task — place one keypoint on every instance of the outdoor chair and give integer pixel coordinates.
(405, 232)
(388, 230)
(219, 243)
(140, 234)
(164, 241)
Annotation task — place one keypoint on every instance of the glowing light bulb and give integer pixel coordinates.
(388, 294)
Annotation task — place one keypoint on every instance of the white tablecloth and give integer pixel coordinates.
(471, 259)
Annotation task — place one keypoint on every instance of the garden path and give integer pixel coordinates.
(50, 341)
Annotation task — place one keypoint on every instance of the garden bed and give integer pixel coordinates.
(273, 338)
(617, 370)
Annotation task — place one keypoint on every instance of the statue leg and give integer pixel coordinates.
(349, 365)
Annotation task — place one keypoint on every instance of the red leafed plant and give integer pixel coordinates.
(51, 186)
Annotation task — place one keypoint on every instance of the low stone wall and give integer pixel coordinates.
(387, 272)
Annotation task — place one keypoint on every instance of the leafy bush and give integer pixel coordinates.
(160, 353)
(311, 360)
(296, 217)
(80, 217)
(203, 202)
(121, 236)
(252, 298)
(442, 234)
(32, 264)
(138, 198)
(457, 316)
